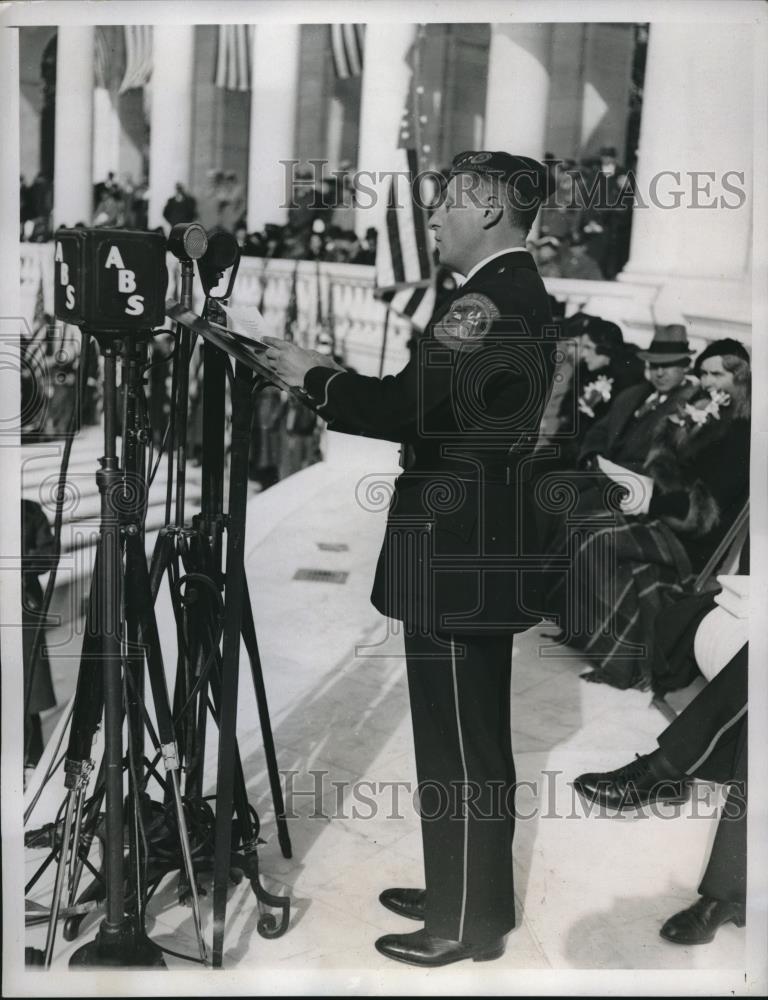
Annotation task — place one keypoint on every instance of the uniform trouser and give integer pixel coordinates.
(708, 740)
(460, 707)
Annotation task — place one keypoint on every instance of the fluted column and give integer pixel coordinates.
(386, 76)
(170, 134)
(274, 92)
(517, 97)
(73, 135)
(697, 116)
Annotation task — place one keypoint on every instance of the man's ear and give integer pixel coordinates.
(493, 209)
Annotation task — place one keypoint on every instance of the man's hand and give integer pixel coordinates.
(292, 362)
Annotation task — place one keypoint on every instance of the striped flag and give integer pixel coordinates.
(404, 272)
(347, 49)
(233, 57)
(138, 56)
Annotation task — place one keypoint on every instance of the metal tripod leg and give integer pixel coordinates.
(252, 646)
(60, 872)
(141, 605)
(238, 496)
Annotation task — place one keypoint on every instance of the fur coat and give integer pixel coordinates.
(700, 473)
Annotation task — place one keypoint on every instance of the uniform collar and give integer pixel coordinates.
(491, 257)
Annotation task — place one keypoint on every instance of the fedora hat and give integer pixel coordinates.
(669, 344)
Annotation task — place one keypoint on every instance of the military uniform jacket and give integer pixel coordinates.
(460, 550)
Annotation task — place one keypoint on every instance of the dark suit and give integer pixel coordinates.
(708, 740)
(457, 560)
(624, 438)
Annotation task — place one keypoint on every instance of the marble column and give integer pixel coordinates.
(73, 142)
(170, 114)
(386, 77)
(695, 145)
(274, 92)
(517, 98)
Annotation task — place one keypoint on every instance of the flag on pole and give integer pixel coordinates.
(404, 266)
(233, 57)
(347, 49)
(404, 272)
(138, 56)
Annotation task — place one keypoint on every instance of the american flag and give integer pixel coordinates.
(138, 56)
(404, 268)
(233, 57)
(347, 49)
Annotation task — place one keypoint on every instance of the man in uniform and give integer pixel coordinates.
(459, 556)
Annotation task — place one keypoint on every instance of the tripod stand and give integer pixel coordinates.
(121, 633)
(193, 557)
(120, 614)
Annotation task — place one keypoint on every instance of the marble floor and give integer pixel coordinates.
(592, 890)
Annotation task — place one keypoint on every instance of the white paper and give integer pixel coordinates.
(247, 321)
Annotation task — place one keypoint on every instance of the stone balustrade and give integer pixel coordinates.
(347, 298)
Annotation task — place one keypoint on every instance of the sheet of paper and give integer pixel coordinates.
(247, 321)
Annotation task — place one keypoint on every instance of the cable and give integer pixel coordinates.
(51, 767)
(58, 521)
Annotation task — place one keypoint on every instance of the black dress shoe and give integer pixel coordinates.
(645, 780)
(700, 922)
(411, 903)
(422, 948)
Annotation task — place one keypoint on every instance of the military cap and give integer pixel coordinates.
(527, 177)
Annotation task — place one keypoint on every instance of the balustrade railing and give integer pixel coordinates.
(348, 305)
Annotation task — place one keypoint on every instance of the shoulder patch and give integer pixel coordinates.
(467, 322)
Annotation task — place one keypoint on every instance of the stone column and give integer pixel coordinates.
(170, 133)
(274, 91)
(517, 99)
(73, 142)
(386, 76)
(697, 117)
(11, 455)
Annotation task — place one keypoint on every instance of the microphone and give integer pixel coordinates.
(222, 253)
(188, 241)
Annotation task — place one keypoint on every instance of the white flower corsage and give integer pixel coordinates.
(598, 391)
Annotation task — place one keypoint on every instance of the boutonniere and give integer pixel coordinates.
(702, 411)
(655, 399)
(596, 392)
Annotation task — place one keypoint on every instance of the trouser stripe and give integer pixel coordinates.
(721, 732)
(463, 803)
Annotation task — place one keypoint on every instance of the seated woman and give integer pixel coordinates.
(606, 366)
(623, 566)
(622, 430)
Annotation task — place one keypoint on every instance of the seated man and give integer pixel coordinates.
(707, 740)
(625, 433)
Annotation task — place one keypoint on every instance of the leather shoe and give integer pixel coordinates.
(411, 903)
(643, 781)
(423, 948)
(700, 922)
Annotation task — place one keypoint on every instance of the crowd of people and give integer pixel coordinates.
(653, 458)
(583, 233)
(585, 226)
